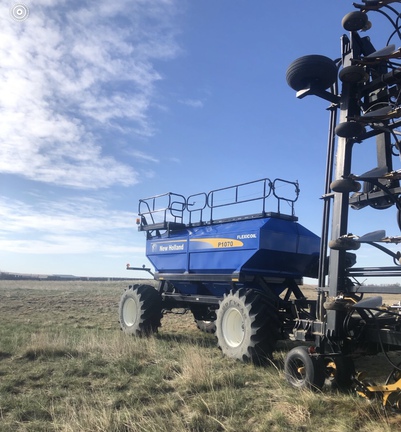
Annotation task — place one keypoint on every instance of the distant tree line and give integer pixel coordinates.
(22, 276)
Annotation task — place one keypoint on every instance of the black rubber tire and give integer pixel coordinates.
(355, 21)
(140, 310)
(312, 70)
(350, 129)
(345, 185)
(394, 402)
(340, 371)
(247, 326)
(304, 371)
(206, 326)
(353, 74)
(394, 399)
(343, 243)
(381, 203)
(204, 319)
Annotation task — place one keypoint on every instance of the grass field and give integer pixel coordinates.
(66, 366)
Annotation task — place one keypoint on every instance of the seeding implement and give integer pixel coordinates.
(240, 272)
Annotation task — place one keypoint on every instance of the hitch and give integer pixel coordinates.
(143, 268)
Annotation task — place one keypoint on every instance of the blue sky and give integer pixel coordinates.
(104, 103)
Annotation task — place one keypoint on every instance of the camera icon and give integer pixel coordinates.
(19, 12)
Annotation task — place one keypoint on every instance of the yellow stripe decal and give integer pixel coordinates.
(219, 243)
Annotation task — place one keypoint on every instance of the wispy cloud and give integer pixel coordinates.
(71, 71)
(73, 245)
(139, 155)
(193, 103)
(73, 226)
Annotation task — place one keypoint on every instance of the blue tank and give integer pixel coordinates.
(269, 246)
(200, 254)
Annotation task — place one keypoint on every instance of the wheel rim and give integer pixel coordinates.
(298, 371)
(330, 369)
(233, 327)
(130, 312)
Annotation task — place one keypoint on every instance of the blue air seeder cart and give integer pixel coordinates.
(225, 270)
(236, 257)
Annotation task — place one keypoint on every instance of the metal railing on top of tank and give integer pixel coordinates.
(162, 208)
(201, 208)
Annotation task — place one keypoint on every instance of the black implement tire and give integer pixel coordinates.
(339, 371)
(355, 21)
(304, 371)
(312, 70)
(204, 319)
(349, 129)
(247, 326)
(206, 326)
(353, 74)
(140, 310)
(381, 203)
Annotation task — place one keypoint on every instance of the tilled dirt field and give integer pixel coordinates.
(82, 304)
(94, 305)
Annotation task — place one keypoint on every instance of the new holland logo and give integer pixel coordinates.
(170, 246)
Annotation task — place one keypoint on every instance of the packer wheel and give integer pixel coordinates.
(303, 370)
(355, 21)
(311, 71)
(353, 74)
(340, 371)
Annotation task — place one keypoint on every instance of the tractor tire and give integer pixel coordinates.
(206, 326)
(312, 70)
(140, 310)
(304, 371)
(247, 326)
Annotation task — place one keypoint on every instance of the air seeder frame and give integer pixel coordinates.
(364, 89)
(241, 275)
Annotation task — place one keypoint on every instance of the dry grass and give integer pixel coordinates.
(66, 366)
